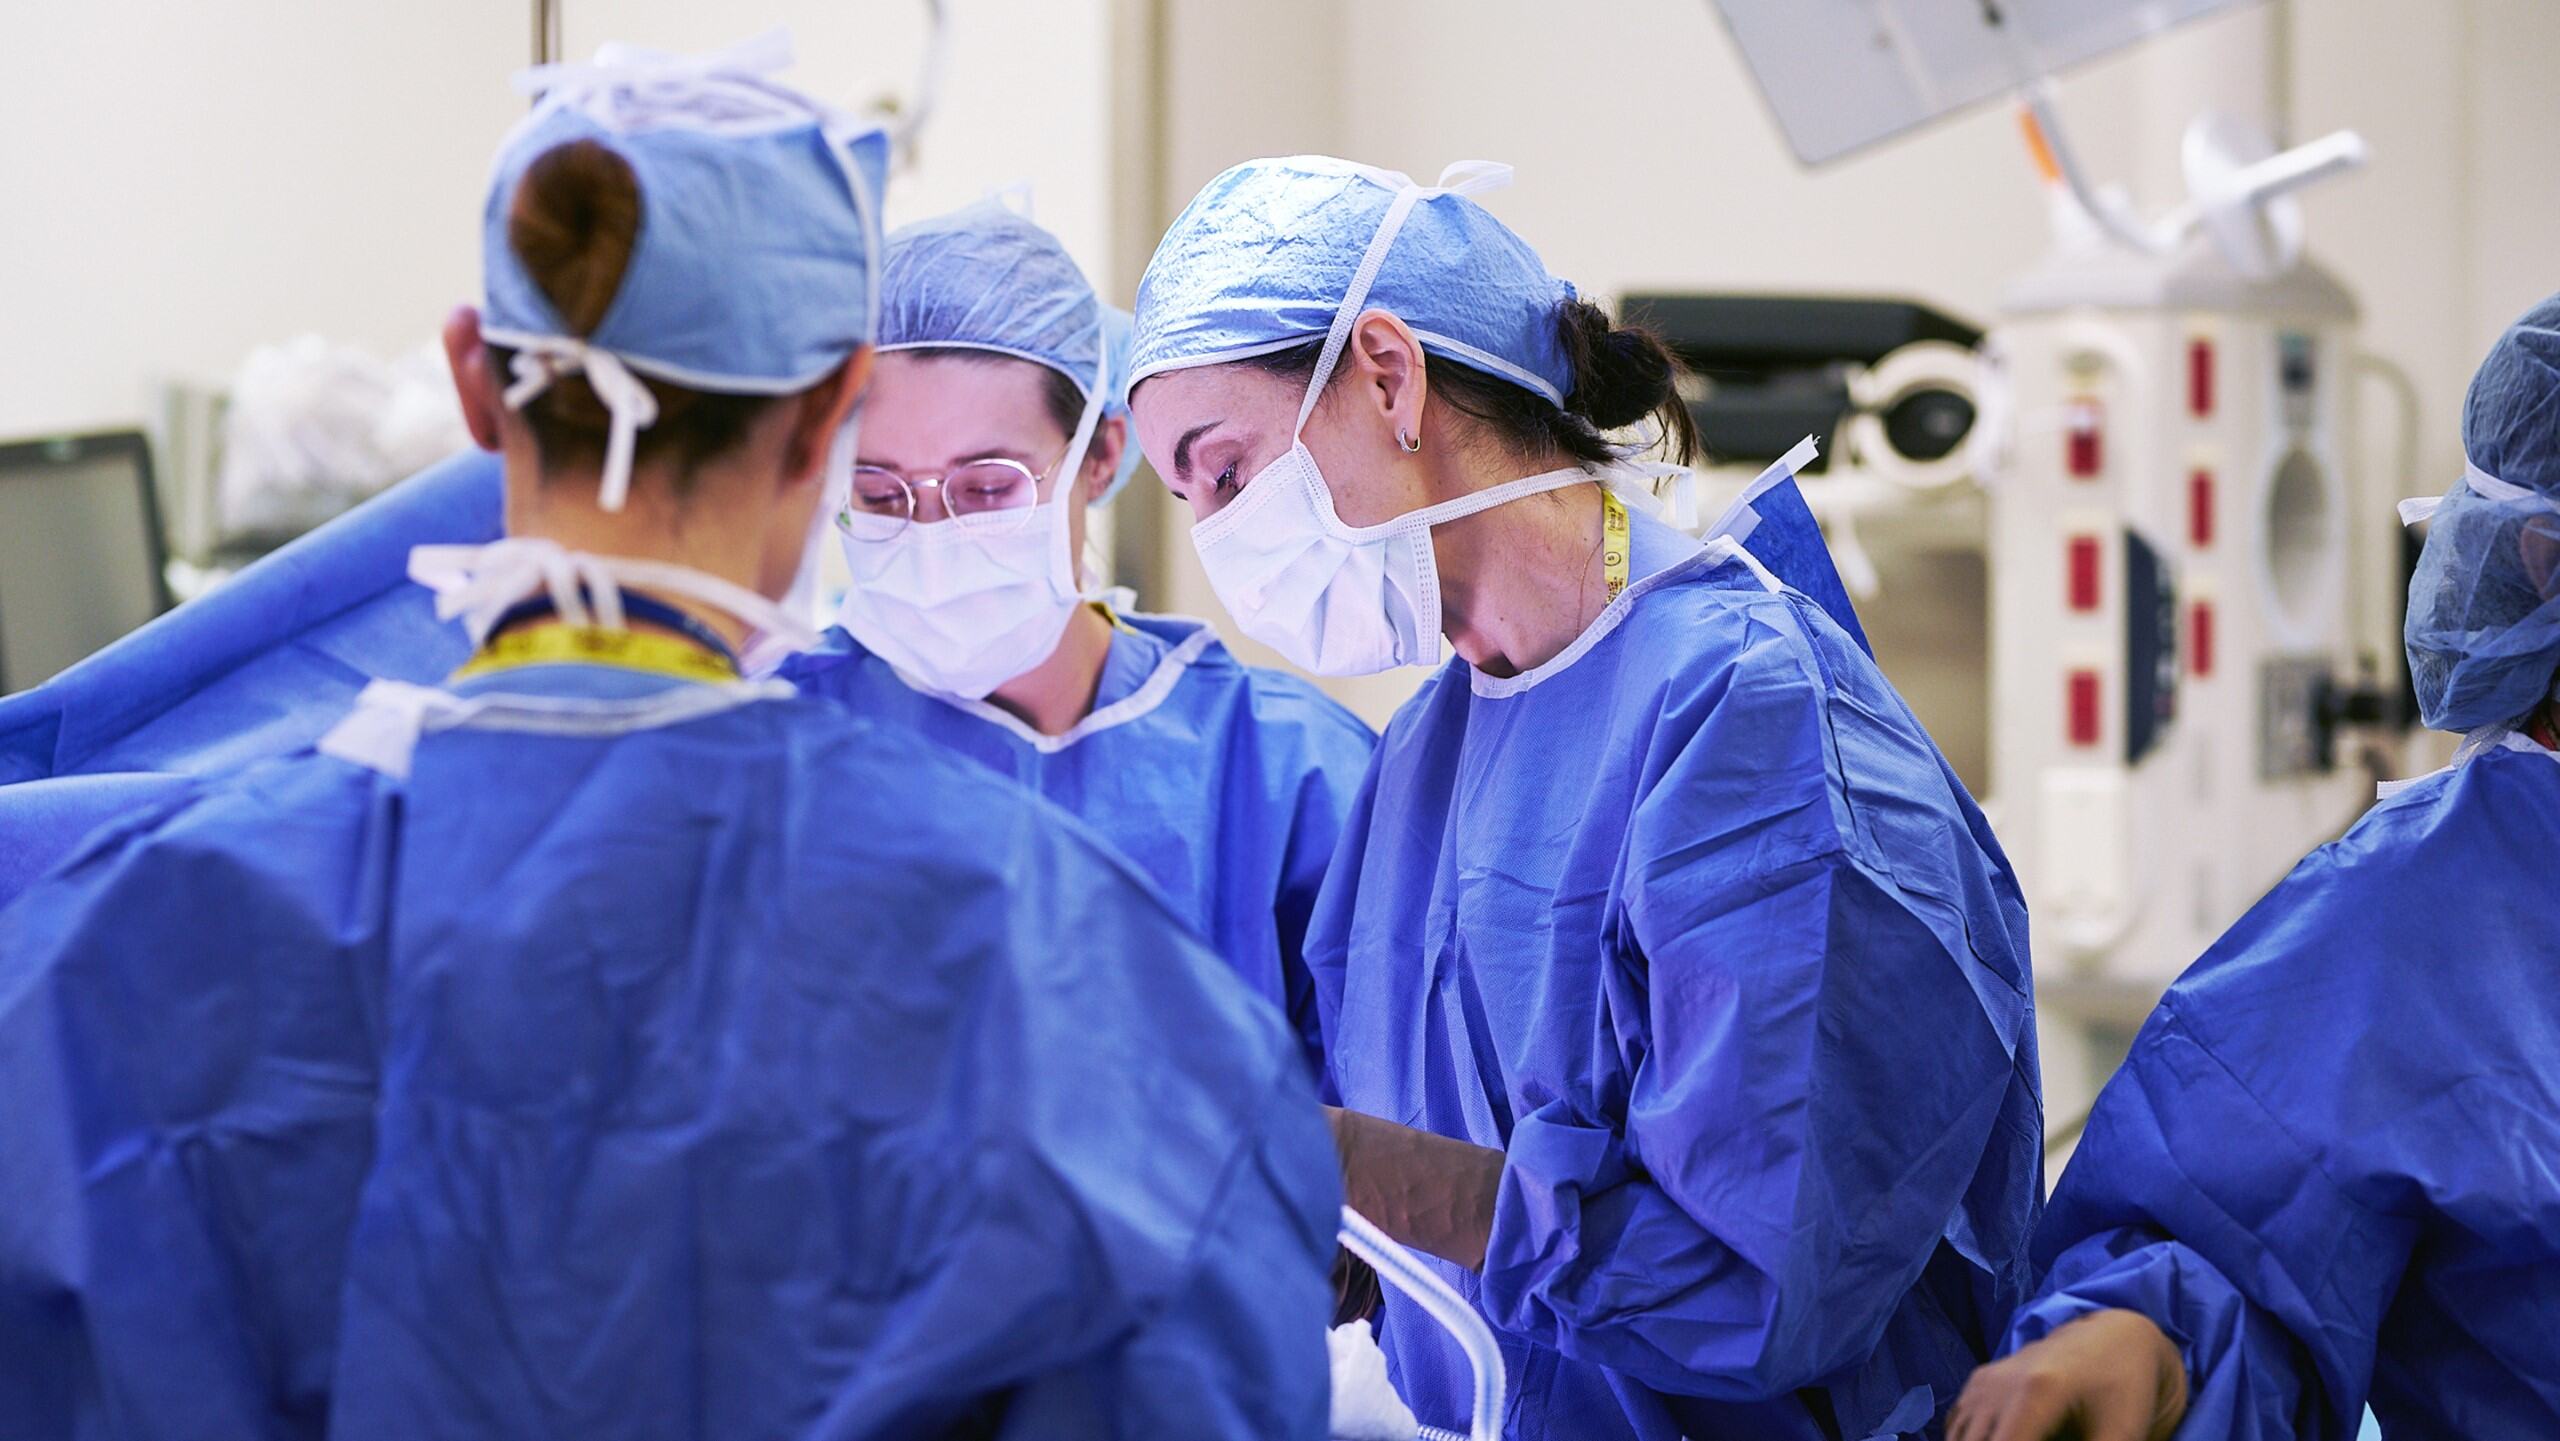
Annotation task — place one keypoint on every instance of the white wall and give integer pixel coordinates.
(181, 181)
(1022, 96)
(1649, 158)
(2512, 205)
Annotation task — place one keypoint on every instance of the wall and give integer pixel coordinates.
(1022, 100)
(2510, 200)
(2445, 237)
(184, 181)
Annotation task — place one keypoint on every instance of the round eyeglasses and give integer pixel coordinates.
(991, 495)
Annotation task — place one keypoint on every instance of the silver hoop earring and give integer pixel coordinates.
(1411, 445)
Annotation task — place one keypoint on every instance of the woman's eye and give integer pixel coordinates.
(1226, 483)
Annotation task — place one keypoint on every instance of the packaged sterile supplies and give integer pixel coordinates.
(315, 426)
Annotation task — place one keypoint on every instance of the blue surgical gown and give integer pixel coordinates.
(1226, 783)
(257, 668)
(762, 1074)
(2330, 1168)
(1695, 925)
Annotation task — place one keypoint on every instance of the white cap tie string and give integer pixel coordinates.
(540, 360)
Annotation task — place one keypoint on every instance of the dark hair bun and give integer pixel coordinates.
(574, 222)
(1621, 374)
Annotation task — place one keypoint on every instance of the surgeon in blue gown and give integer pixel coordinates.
(601, 1044)
(259, 667)
(1675, 992)
(995, 423)
(2328, 1175)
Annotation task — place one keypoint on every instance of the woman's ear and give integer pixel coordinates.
(823, 410)
(1385, 360)
(467, 356)
(1102, 456)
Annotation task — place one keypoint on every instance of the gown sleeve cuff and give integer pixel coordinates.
(2193, 1304)
(1553, 1166)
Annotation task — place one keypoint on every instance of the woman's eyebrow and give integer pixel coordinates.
(993, 452)
(1182, 448)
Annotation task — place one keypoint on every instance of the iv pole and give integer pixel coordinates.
(546, 31)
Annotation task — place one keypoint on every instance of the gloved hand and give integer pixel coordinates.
(2109, 1376)
(1429, 1192)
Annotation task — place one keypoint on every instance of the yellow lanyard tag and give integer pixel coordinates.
(587, 645)
(1613, 540)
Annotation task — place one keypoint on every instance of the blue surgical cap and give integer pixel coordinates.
(2483, 633)
(987, 278)
(759, 224)
(1263, 256)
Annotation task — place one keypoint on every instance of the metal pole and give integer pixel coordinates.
(546, 31)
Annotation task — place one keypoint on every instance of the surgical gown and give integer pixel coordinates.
(257, 668)
(2330, 1168)
(1694, 923)
(667, 1070)
(1226, 783)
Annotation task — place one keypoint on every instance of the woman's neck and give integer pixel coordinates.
(1056, 695)
(648, 528)
(1520, 582)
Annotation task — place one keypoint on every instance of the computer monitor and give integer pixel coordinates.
(82, 559)
(1844, 74)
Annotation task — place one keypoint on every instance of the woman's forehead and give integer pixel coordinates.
(925, 410)
(1235, 392)
(981, 378)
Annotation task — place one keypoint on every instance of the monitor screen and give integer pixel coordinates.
(80, 551)
(1844, 74)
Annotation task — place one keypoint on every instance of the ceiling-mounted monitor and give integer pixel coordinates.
(1844, 74)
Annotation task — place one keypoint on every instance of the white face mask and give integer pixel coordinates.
(959, 606)
(1339, 599)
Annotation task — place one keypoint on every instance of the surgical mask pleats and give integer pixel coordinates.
(959, 608)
